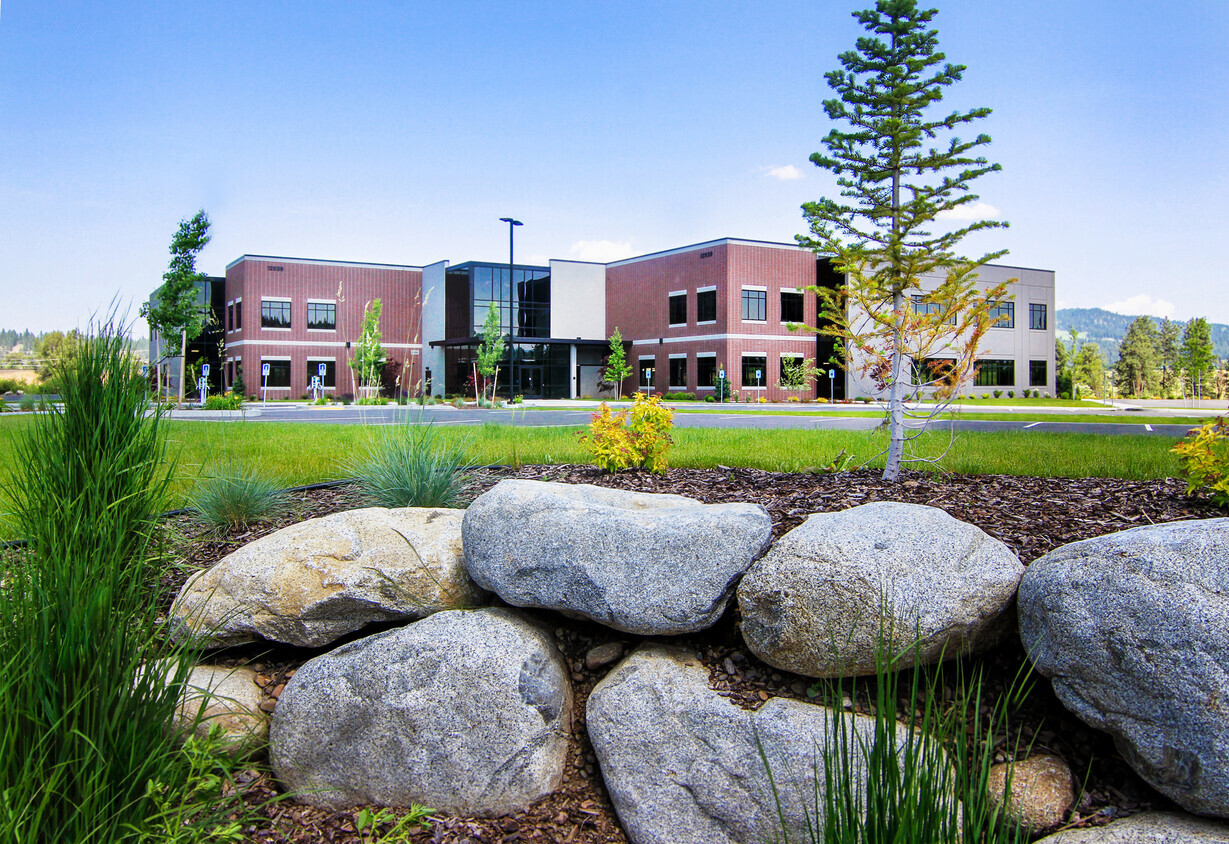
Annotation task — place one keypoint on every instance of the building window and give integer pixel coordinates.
(706, 306)
(791, 306)
(275, 313)
(755, 305)
(1037, 375)
(279, 373)
(330, 372)
(678, 308)
(755, 370)
(322, 316)
(921, 307)
(678, 372)
(929, 370)
(238, 314)
(1037, 317)
(647, 366)
(706, 372)
(230, 317)
(995, 373)
(1006, 314)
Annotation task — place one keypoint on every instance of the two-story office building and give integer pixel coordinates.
(687, 315)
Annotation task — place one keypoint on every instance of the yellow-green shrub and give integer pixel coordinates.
(1203, 458)
(636, 437)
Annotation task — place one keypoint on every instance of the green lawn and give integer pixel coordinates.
(301, 453)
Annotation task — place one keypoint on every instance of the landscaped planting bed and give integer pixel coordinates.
(1031, 515)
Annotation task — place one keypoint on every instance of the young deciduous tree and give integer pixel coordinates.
(1137, 356)
(797, 373)
(368, 359)
(1197, 355)
(894, 187)
(1168, 354)
(491, 351)
(617, 368)
(176, 307)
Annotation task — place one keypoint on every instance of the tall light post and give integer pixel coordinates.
(512, 224)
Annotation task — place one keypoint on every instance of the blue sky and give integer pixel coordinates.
(402, 131)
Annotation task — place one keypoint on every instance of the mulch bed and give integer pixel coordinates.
(1031, 515)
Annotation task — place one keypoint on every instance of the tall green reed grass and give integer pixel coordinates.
(83, 729)
(920, 775)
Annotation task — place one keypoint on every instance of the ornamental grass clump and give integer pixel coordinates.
(923, 774)
(410, 465)
(236, 496)
(85, 752)
(639, 436)
(1203, 458)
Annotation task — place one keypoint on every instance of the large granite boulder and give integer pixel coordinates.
(637, 562)
(684, 765)
(834, 588)
(1147, 828)
(313, 582)
(466, 711)
(1133, 631)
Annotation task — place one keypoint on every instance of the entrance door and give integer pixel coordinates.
(527, 381)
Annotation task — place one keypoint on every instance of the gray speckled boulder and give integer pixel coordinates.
(1147, 828)
(1133, 631)
(820, 600)
(683, 765)
(313, 582)
(637, 562)
(466, 711)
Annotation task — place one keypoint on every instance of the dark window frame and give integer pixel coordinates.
(273, 312)
(1035, 366)
(1037, 316)
(706, 306)
(646, 366)
(316, 321)
(748, 372)
(995, 372)
(999, 309)
(276, 370)
(238, 314)
(755, 302)
(793, 306)
(706, 372)
(677, 364)
(330, 372)
(678, 309)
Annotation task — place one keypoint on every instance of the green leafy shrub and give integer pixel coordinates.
(639, 436)
(1203, 459)
(27, 404)
(998, 394)
(409, 465)
(680, 396)
(225, 401)
(236, 496)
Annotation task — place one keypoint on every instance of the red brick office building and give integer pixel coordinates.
(295, 314)
(725, 305)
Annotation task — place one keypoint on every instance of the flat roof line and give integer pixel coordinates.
(718, 242)
(321, 261)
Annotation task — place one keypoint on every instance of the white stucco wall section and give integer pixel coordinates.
(577, 299)
(433, 322)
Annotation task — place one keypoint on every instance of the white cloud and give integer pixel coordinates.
(601, 251)
(786, 174)
(971, 211)
(1142, 304)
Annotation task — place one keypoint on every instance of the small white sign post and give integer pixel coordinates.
(320, 370)
(264, 390)
(759, 382)
(203, 382)
(720, 386)
(831, 381)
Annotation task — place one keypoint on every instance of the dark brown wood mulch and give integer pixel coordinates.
(1031, 515)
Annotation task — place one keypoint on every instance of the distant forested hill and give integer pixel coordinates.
(1106, 329)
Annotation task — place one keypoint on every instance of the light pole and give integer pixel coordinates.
(512, 224)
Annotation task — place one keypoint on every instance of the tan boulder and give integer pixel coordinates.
(231, 701)
(311, 583)
(1042, 790)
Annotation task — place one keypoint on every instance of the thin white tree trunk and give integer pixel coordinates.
(183, 362)
(896, 401)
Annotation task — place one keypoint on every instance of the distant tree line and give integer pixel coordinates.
(1155, 360)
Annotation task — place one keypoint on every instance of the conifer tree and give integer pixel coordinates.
(1197, 353)
(1138, 356)
(894, 185)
